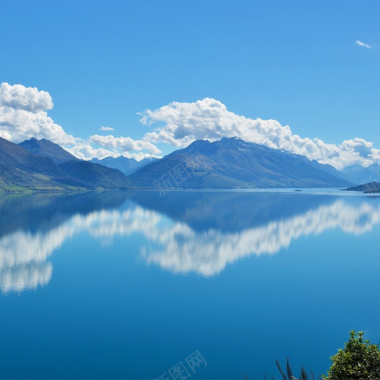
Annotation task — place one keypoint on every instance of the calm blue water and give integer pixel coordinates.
(127, 285)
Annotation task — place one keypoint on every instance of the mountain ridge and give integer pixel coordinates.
(124, 164)
(21, 170)
(233, 163)
(46, 148)
(229, 163)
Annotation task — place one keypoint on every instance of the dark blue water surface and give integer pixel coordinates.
(134, 285)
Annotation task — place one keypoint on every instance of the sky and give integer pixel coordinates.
(146, 77)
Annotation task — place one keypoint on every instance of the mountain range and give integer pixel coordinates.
(124, 164)
(358, 174)
(230, 163)
(234, 163)
(40, 165)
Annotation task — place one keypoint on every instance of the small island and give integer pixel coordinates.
(371, 187)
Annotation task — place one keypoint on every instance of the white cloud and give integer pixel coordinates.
(106, 129)
(116, 146)
(140, 155)
(360, 43)
(23, 116)
(84, 151)
(18, 125)
(179, 124)
(24, 98)
(123, 143)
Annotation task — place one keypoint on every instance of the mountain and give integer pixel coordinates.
(21, 170)
(358, 174)
(124, 164)
(234, 163)
(45, 148)
(372, 187)
(14, 156)
(93, 176)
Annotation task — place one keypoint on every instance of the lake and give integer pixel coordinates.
(184, 284)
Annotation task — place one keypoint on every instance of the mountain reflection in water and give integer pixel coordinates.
(184, 232)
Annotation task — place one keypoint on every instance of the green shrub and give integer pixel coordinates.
(358, 360)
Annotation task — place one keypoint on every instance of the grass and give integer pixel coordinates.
(288, 374)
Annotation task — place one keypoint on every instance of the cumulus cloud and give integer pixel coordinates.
(109, 146)
(124, 143)
(25, 98)
(140, 155)
(23, 115)
(360, 43)
(106, 129)
(84, 151)
(18, 125)
(179, 124)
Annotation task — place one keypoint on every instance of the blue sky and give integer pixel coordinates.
(103, 62)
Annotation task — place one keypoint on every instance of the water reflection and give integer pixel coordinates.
(33, 227)
(188, 247)
(184, 232)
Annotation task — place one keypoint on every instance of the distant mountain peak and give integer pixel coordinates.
(46, 148)
(199, 143)
(126, 165)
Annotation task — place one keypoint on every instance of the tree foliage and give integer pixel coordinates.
(358, 360)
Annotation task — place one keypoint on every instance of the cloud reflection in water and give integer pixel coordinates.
(180, 244)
